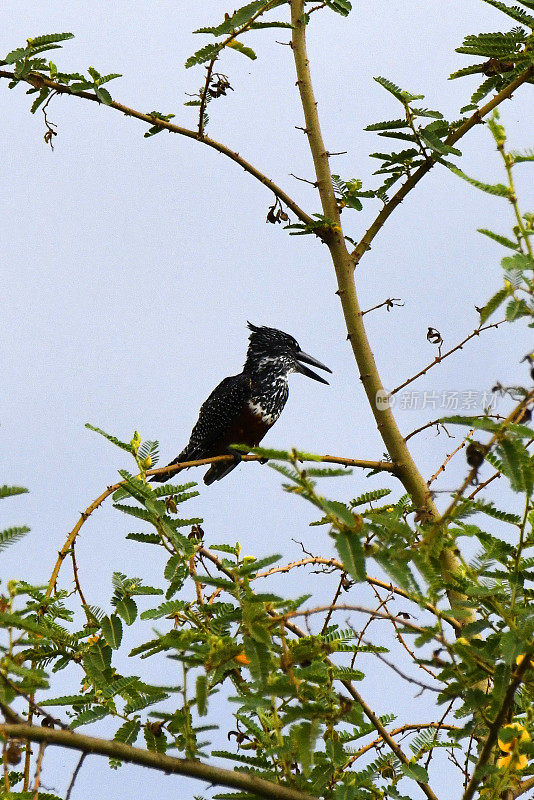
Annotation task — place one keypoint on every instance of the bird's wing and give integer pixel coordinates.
(216, 415)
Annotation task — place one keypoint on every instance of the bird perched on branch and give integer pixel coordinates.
(243, 407)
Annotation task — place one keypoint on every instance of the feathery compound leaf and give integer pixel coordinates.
(204, 54)
(127, 609)
(493, 304)
(202, 694)
(165, 609)
(388, 125)
(498, 238)
(238, 18)
(490, 510)
(90, 715)
(351, 553)
(498, 189)
(11, 491)
(113, 439)
(11, 535)
(513, 11)
(368, 497)
(50, 38)
(401, 95)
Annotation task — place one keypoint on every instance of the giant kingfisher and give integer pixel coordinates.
(243, 407)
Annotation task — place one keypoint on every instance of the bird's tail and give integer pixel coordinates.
(218, 471)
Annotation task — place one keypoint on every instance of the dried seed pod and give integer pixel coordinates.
(434, 336)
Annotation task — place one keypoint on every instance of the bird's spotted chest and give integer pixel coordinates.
(268, 401)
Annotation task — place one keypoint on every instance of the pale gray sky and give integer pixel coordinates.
(130, 267)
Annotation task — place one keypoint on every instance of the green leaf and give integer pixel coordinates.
(235, 44)
(514, 11)
(16, 55)
(305, 735)
(90, 715)
(98, 657)
(206, 53)
(517, 308)
(148, 538)
(339, 511)
(127, 609)
(498, 238)
(41, 97)
(11, 491)
(68, 700)
(202, 694)
(416, 772)
(351, 553)
(11, 535)
(157, 744)
(165, 609)
(396, 91)
(388, 125)
(50, 38)
(128, 733)
(260, 660)
(113, 439)
(104, 96)
(238, 18)
(493, 304)
(343, 7)
(435, 143)
(520, 262)
(498, 189)
(369, 497)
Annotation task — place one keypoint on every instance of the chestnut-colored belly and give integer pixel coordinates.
(247, 428)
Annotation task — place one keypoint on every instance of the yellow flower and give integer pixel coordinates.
(519, 660)
(523, 736)
(336, 228)
(519, 762)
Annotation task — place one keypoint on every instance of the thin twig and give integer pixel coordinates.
(38, 767)
(438, 359)
(390, 587)
(75, 573)
(362, 610)
(450, 456)
(204, 96)
(75, 775)
(334, 601)
(414, 726)
(391, 302)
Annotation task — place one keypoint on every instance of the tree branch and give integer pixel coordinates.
(365, 242)
(440, 358)
(158, 761)
(385, 466)
(384, 735)
(407, 471)
(493, 732)
(39, 81)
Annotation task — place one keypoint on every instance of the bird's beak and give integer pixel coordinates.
(313, 361)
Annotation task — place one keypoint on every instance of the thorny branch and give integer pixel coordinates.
(438, 359)
(71, 538)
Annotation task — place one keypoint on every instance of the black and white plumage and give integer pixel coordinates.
(243, 407)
